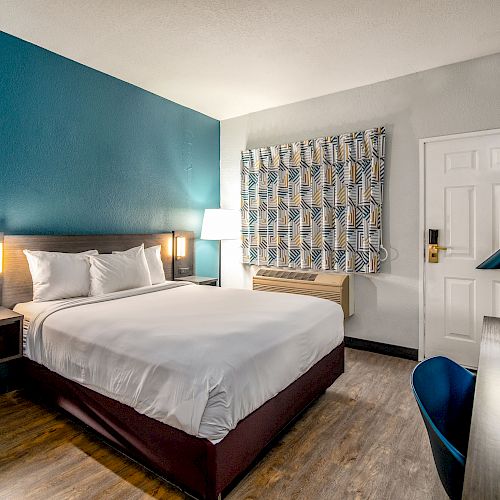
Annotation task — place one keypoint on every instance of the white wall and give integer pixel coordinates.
(458, 98)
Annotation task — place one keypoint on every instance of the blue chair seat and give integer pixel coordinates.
(444, 391)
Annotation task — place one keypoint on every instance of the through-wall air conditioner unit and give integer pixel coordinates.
(330, 286)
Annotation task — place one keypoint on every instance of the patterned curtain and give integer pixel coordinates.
(315, 204)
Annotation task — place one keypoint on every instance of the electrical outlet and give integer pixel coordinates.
(183, 271)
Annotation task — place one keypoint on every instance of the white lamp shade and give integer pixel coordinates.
(220, 224)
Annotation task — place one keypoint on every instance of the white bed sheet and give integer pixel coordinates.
(194, 357)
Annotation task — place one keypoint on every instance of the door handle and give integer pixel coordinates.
(434, 253)
(434, 247)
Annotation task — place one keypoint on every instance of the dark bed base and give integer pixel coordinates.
(194, 464)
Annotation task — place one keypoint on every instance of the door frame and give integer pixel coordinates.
(421, 226)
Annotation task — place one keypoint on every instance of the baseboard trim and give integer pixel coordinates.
(381, 348)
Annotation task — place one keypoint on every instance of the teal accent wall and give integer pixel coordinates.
(82, 152)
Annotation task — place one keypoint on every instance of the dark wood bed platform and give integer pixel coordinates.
(196, 465)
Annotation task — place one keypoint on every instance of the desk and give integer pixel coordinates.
(482, 469)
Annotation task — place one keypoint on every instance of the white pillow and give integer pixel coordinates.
(155, 264)
(115, 272)
(58, 275)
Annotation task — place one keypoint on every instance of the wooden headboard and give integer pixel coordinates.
(17, 285)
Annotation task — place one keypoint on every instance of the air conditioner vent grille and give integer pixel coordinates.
(287, 275)
(330, 286)
(334, 296)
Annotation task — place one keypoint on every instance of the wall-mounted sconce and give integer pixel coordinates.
(182, 254)
(180, 247)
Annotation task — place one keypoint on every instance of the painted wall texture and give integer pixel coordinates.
(458, 98)
(83, 152)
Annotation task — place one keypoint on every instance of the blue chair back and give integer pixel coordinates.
(445, 393)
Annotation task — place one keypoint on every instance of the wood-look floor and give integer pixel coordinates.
(364, 439)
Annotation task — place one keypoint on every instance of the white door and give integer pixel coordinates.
(462, 201)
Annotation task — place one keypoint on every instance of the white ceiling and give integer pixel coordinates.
(231, 57)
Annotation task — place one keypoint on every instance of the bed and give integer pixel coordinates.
(193, 382)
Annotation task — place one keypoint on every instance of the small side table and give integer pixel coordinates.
(199, 280)
(11, 348)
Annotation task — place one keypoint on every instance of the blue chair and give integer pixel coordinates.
(445, 393)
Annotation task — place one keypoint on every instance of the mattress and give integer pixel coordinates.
(197, 358)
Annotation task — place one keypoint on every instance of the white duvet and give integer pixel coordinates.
(197, 358)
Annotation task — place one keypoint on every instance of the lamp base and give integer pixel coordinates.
(220, 263)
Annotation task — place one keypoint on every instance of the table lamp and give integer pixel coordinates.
(220, 224)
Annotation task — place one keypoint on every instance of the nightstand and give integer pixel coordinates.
(11, 348)
(199, 280)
